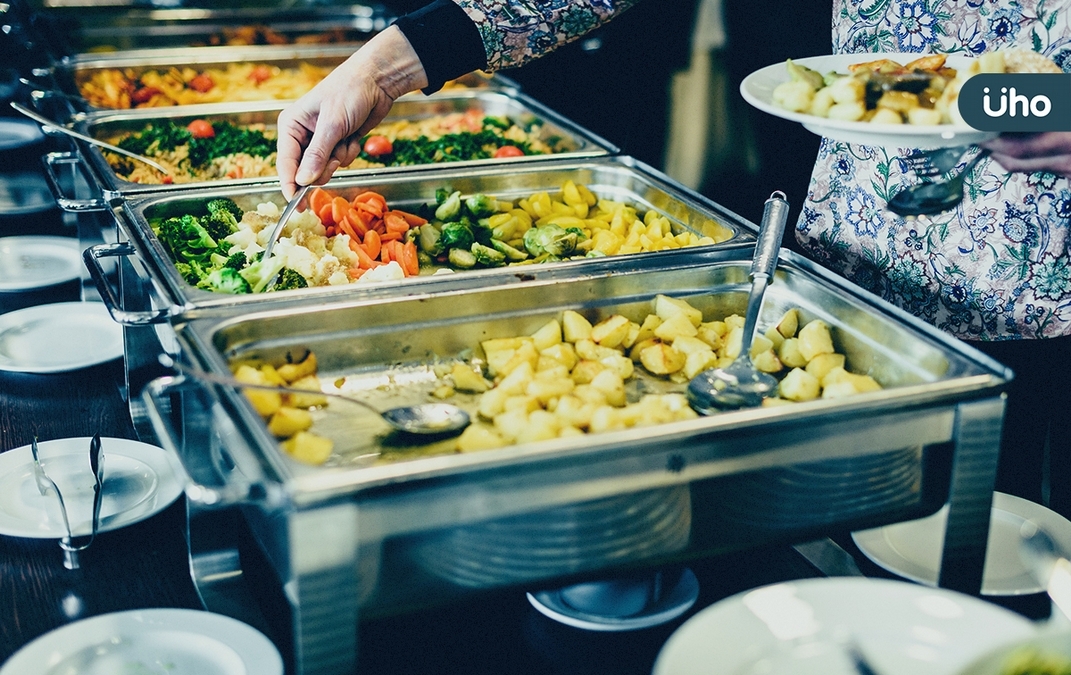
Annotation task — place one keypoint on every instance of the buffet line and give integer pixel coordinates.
(486, 252)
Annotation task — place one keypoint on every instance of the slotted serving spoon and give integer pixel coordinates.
(427, 419)
(741, 385)
(50, 124)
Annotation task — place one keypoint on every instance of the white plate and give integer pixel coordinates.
(139, 481)
(150, 642)
(757, 89)
(58, 337)
(36, 262)
(912, 549)
(799, 628)
(1051, 644)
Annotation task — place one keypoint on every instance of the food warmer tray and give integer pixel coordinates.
(70, 72)
(101, 30)
(581, 144)
(362, 539)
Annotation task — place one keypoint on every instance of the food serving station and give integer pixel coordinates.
(387, 526)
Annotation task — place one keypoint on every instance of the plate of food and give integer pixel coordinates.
(894, 99)
(812, 626)
(1047, 653)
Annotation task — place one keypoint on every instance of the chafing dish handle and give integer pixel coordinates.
(74, 205)
(91, 256)
(209, 485)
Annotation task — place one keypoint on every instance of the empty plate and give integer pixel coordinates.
(35, 262)
(58, 337)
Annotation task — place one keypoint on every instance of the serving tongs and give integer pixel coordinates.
(46, 485)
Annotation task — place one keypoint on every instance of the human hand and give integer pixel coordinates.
(321, 131)
(1050, 151)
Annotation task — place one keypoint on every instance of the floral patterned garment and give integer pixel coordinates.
(997, 267)
(515, 32)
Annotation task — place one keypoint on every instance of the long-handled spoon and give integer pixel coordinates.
(935, 197)
(50, 124)
(291, 206)
(439, 419)
(741, 385)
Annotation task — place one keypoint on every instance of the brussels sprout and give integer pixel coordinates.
(462, 258)
(456, 235)
(550, 239)
(485, 255)
(449, 209)
(510, 252)
(562, 245)
(481, 206)
(429, 239)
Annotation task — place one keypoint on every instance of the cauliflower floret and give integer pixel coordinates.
(340, 248)
(256, 221)
(326, 266)
(316, 243)
(339, 278)
(269, 209)
(297, 257)
(392, 271)
(304, 221)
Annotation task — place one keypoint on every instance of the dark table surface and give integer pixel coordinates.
(145, 565)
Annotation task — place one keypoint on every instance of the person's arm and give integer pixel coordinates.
(1033, 152)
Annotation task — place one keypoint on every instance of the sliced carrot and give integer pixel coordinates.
(369, 197)
(317, 198)
(355, 273)
(391, 236)
(394, 222)
(354, 219)
(345, 226)
(413, 219)
(370, 208)
(339, 208)
(410, 261)
(384, 254)
(363, 259)
(372, 243)
(325, 214)
(396, 252)
(331, 231)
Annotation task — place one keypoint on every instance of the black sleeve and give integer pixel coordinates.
(446, 40)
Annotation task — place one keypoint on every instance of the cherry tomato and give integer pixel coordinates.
(260, 73)
(200, 129)
(143, 94)
(509, 151)
(201, 83)
(378, 145)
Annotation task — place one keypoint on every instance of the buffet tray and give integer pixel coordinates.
(105, 126)
(615, 177)
(104, 29)
(71, 72)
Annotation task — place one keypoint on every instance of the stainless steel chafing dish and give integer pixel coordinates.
(104, 29)
(71, 72)
(338, 543)
(576, 142)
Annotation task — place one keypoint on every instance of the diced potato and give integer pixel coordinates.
(286, 421)
(789, 323)
(760, 344)
(886, 116)
(541, 426)
(620, 364)
(467, 379)
(589, 395)
(313, 399)
(525, 354)
(556, 371)
(586, 370)
(689, 345)
(574, 412)
(733, 321)
(499, 352)
(793, 95)
(492, 403)
(820, 365)
(271, 375)
(821, 103)
(567, 431)
(848, 112)
(790, 354)
(307, 447)
(527, 402)
(587, 349)
(517, 381)
(632, 335)
(799, 385)
(774, 337)
(846, 90)
(544, 390)
(296, 371)
(730, 347)
(774, 401)
(861, 383)
(510, 422)
(767, 362)
(647, 328)
(548, 335)
(605, 418)
(612, 386)
(575, 326)
(443, 391)
(662, 359)
(666, 308)
(815, 339)
(264, 402)
(713, 333)
(923, 116)
(638, 348)
(480, 436)
(563, 352)
(697, 362)
(612, 331)
(841, 389)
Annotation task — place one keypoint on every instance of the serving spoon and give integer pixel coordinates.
(935, 197)
(425, 419)
(50, 124)
(741, 385)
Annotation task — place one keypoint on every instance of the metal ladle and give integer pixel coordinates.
(50, 124)
(933, 197)
(426, 419)
(740, 385)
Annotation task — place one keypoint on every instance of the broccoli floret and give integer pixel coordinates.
(220, 223)
(261, 272)
(227, 205)
(290, 279)
(236, 261)
(187, 240)
(191, 273)
(481, 206)
(226, 280)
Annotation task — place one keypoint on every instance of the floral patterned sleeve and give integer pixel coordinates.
(517, 31)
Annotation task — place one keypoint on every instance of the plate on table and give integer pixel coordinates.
(912, 549)
(150, 642)
(757, 89)
(36, 262)
(140, 480)
(58, 337)
(801, 627)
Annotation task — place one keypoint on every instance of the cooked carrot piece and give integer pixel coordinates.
(384, 254)
(363, 259)
(390, 236)
(370, 197)
(372, 243)
(411, 262)
(345, 226)
(325, 214)
(371, 209)
(317, 198)
(356, 222)
(339, 208)
(413, 219)
(356, 273)
(395, 223)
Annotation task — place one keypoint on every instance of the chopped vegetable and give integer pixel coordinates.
(201, 129)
